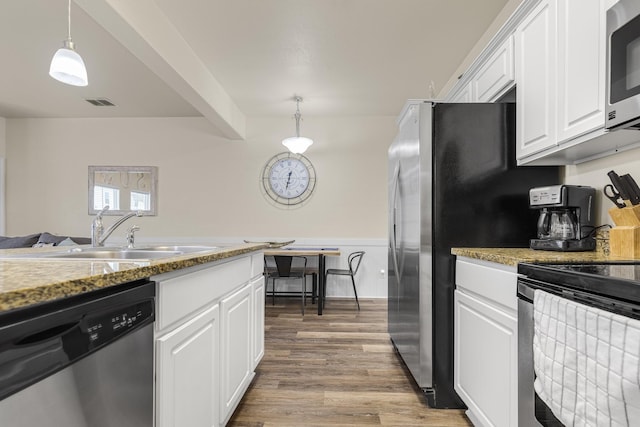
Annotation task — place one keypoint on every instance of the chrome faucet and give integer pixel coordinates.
(98, 233)
(131, 235)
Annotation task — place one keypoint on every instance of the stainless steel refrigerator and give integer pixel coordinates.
(453, 182)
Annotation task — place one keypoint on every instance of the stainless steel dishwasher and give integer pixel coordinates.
(84, 361)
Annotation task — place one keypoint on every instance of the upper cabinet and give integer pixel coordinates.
(581, 62)
(491, 78)
(496, 76)
(560, 76)
(535, 77)
(557, 53)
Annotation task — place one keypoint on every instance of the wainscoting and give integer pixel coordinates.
(371, 281)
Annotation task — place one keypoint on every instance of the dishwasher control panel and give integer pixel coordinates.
(103, 327)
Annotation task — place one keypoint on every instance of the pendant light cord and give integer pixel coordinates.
(69, 21)
(297, 116)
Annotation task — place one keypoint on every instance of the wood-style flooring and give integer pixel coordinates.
(338, 369)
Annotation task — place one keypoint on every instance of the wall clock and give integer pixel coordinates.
(288, 179)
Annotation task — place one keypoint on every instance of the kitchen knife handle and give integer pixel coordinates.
(618, 185)
(632, 188)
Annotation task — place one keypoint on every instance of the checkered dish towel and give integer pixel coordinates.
(586, 362)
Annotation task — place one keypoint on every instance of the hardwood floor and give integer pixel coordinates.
(338, 369)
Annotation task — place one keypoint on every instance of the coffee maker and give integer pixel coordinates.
(566, 221)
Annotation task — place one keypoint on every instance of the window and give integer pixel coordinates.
(106, 196)
(140, 201)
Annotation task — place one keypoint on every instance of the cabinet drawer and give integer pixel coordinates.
(493, 281)
(182, 296)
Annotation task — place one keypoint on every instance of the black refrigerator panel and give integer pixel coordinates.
(480, 199)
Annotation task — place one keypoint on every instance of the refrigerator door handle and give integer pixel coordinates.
(394, 224)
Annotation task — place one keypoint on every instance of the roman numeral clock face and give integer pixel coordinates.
(288, 179)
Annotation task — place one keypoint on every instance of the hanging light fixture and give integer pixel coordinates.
(297, 144)
(67, 66)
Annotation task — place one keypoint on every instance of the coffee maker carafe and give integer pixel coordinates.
(566, 220)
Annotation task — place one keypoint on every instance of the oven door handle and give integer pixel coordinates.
(525, 292)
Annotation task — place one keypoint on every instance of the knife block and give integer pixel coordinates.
(629, 216)
(624, 238)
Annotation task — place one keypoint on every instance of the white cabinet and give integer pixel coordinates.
(236, 364)
(493, 78)
(535, 65)
(187, 374)
(496, 76)
(560, 55)
(209, 337)
(581, 66)
(464, 95)
(486, 342)
(258, 319)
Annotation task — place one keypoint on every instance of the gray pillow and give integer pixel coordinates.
(19, 241)
(47, 238)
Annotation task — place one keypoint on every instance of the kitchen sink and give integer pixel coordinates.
(114, 254)
(117, 253)
(179, 248)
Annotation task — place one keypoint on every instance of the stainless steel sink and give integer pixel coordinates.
(179, 248)
(113, 254)
(136, 254)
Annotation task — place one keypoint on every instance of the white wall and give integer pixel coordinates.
(594, 174)
(209, 187)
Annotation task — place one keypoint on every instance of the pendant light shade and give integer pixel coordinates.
(297, 144)
(67, 66)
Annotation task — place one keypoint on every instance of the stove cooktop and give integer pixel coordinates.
(620, 280)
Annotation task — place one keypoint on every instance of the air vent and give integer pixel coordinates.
(100, 102)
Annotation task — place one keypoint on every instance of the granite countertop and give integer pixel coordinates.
(29, 281)
(513, 256)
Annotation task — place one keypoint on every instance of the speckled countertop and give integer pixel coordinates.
(30, 281)
(513, 256)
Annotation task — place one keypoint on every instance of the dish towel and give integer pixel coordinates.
(587, 363)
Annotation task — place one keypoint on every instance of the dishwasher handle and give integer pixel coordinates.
(48, 334)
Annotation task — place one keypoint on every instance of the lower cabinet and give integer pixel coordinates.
(187, 377)
(209, 337)
(486, 342)
(258, 312)
(237, 358)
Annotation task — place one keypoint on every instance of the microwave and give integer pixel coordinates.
(622, 108)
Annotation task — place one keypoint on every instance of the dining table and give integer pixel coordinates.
(320, 252)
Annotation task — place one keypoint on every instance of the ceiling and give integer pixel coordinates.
(344, 57)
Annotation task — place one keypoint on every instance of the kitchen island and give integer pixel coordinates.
(28, 281)
(208, 334)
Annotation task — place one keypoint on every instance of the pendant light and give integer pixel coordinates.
(67, 66)
(297, 144)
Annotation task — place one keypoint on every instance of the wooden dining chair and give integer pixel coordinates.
(285, 267)
(353, 261)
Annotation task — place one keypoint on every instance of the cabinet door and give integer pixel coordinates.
(258, 321)
(581, 67)
(187, 373)
(465, 95)
(236, 367)
(486, 361)
(536, 80)
(497, 75)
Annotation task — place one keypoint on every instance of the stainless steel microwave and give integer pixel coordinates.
(623, 66)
